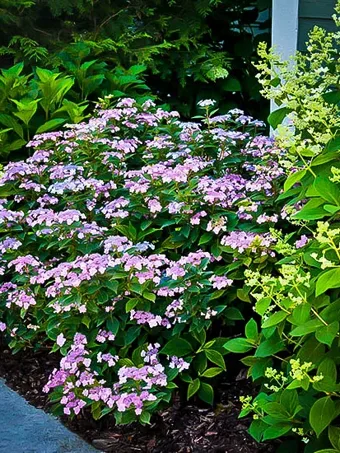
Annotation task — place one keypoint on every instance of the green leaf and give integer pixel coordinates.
(321, 414)
(276, 410)
(269, 347)
(113, 325)
(149, 296)
(50, 125)
(145, 418)
(206, 237)
(238, 345)
(212, 372)
(131, 334)
(193, 388)
(334, 436)
(276, 117)
(326, 334)
(231, 84)
(206, 393)
(178, 347)
(215, 357)
(308, 327)
(323, 158)
(327, 189)
(234, 314)
(327, 450)
(333, 145)
(328, 280)
(10, 122)
(130, 304)
(274, 319)
(275, 431)
(251, 330)
(294, 178)
(257, 428)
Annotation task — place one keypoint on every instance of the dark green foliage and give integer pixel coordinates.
(193, 49)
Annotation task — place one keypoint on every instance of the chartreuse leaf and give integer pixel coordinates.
(251, 330)
(177, 346)
(238, 345)
(310, 326)
(321, 414)
(215, 357)
(274, 319)
(212, 372)
(294, 178)
(193, 388)
(328, 280)
(50, 125)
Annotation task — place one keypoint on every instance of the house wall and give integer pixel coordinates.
(311, 13)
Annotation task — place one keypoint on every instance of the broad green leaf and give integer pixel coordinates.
(328, 280)
(215, 357)
(321, 414)
(308, 327)
(294, 178)
(251, 330)
(277, 116)
(234, 314)
(326, 334)
(50, 125)
(269, 347)
(328, 450)
(231, 84)
(206, 393)
(145, 417)
(177, 346)
(275, 431)
(334, 144)
(276, 410)
(257, 428)
(238, 345)
(274, 319)
(334, 436)
(193, 388)
(130, 304)
(10, 122)
(327, 189)
(212, 372)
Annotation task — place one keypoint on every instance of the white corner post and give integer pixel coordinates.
(285, 21)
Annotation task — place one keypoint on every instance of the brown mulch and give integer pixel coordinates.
(180, 429)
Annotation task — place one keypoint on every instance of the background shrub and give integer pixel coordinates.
(192, 49)
(43, 100)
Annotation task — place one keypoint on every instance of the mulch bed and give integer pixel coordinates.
(180, 429)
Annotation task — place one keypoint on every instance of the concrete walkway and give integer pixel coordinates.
(25, 429)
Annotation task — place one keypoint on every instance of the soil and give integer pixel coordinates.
(180, 429)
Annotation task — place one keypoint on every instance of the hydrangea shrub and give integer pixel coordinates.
(125, 241)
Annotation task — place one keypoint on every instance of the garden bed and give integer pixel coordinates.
(188, 428)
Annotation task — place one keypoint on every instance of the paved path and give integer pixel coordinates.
(25, 429)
